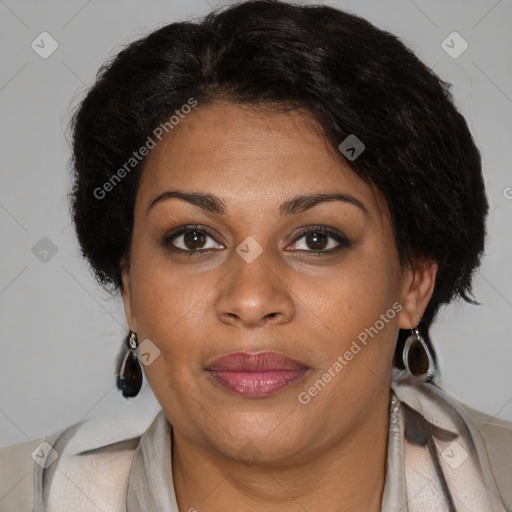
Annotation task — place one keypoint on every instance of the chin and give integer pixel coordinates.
(262, 438)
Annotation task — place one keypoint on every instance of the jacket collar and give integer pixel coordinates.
(436, 458)
(150, 485)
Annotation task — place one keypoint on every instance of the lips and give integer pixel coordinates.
(256, 374)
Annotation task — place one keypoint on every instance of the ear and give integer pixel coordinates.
(127, 295)
(418, 286)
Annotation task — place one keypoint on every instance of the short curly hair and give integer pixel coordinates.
(353, 77)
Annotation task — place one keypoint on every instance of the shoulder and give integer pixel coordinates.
(497, 435)
(86, 462)
(17, 467)
(434, 402)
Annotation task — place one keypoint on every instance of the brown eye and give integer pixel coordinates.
(194, 240)
(317, 241)
(191, 239)
(321, 241)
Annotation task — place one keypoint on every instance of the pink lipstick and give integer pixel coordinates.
(256, 374)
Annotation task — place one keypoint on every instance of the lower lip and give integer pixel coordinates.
(257, 384)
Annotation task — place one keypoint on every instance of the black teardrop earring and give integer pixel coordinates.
(129, 380)
(418, 360)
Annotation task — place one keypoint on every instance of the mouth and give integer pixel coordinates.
(258, 374)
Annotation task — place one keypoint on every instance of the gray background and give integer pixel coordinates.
(60, 332)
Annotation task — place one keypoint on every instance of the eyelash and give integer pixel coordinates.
(342, 240)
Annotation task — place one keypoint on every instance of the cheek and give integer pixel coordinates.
(161, 294)
(173, 309)
(166, 311)
(168, 308)
(356, 319)
(356, 312)
(354, 296)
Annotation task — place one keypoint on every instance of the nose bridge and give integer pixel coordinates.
(254, 273)
(254, 291)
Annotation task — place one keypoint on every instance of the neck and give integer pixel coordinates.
(349, 475)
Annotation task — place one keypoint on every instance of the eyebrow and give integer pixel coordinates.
(298, 204)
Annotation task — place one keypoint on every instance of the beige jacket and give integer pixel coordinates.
(106, 475)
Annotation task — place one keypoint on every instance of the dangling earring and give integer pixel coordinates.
(129, 381)
(418, 360)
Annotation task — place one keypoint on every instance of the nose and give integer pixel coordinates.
(255, 294)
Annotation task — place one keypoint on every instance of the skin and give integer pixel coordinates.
(195, 308)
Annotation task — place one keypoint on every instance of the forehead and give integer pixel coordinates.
(247, 155)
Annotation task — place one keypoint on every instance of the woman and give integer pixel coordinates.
(284, 196)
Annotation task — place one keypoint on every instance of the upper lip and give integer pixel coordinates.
(266, 360)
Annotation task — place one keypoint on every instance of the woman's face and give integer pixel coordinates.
(252, 279)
